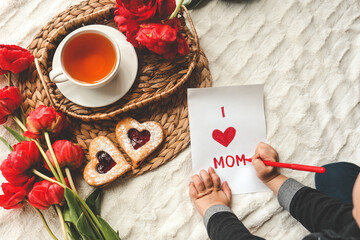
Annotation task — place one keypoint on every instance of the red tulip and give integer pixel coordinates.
(44, 119)
(44, 194)
(139, 10)
(17, 168)
(129, 14)
(163, 39)
(14, 196)
(10, 100)
(67, 154)
(14, 59)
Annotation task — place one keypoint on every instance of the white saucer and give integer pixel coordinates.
(115, 89)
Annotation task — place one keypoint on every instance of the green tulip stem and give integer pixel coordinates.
(62, 222)
(93, 226)
(45, 223)
(19, 122)
(98, 224)
(22, 115)
(47, 160)
(43, 176)
(176, 9)
(68, 175)
(48, 142)
(8, 77)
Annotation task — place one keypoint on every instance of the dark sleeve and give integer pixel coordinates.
(226, 226)
(318, 212)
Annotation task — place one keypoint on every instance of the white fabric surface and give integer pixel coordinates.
(307, 54)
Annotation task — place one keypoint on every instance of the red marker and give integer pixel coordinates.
(292, 166)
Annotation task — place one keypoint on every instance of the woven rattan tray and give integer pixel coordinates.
(171, 111)
(156, 79)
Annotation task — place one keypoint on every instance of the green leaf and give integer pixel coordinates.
(74, 206)
(73, 232)
(16, 135)
(93, 201)
(107, 230)
(71, 236)
(6, 144)
(66, 214)
(84, 228)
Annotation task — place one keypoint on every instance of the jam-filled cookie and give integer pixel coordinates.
(106, 164)
(138, 140)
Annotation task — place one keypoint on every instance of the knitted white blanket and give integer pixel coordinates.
(308, 55)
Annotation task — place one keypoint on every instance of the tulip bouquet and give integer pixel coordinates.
(43, 178)
(152, 24)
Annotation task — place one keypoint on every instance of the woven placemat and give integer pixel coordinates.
(171, 112)
(157, 78)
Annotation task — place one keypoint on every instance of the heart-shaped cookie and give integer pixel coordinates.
(106, 164)
(138, 140)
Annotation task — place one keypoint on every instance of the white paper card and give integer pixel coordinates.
(226, 123)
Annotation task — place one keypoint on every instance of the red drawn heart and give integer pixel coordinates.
(224, 138)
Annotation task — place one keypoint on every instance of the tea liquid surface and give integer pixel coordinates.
(89, 57)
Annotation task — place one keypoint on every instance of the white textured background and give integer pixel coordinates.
(307, 54)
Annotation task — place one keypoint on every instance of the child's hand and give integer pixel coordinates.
(265, 152)
(206, 192)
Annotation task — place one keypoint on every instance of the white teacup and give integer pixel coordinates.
(85, 56)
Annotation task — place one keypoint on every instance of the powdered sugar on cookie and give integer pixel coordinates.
(91, 175)
(138, 155)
